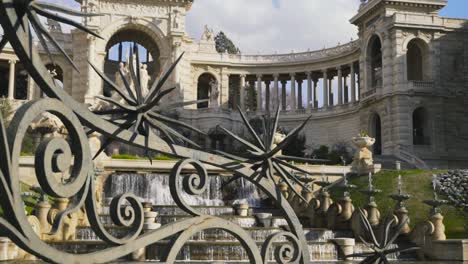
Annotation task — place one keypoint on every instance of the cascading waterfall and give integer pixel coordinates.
(154, 188)
(218, 199)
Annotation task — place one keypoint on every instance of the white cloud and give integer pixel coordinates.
(267, 26)
(261, 26)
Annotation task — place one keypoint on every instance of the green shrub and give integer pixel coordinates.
(125, 157)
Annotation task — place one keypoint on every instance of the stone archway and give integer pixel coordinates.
(374, 62)
(375, 131)
(417, 60)
(203, 89)
(145, 33)
(421, 127)
(118, 50)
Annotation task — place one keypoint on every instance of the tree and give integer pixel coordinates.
(224, 44)
(6, 110)
(297, 146)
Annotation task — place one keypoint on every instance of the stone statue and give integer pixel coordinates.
(278, 138)
(176, 20)
(214, 94)
(145, 78)
(207, 34)
(363, 160)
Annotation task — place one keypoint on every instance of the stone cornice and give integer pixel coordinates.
(291, 58)
(368, 8)
(186, 3)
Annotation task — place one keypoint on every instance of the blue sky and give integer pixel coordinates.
(456, 8)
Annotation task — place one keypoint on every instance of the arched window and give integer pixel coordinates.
(417, 62)
(421, 129)
(375, 131)
(205, 82)
(374, 62)
(57, 74)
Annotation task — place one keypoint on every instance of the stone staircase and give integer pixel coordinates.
(388, 162)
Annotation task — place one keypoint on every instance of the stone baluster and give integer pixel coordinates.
(293, 91)
(275, 91)
(259, 92)
(242, 92)
(325, 89)
(353, 83)
(11, 80)
(340, 85)
(309, 91)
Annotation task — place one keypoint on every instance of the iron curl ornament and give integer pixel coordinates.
(18, 18)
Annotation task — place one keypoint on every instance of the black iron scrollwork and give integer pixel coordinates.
(55, 155)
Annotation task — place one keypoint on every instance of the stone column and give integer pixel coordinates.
(325, 89)
(276, 100)
(30, 88)
(283, 95)
(299, 94)
(340, 85)
(309, 91)
(11, 80)
(315, 93)
(259, 92)
(353, 83)
(242, 92)
(330, 89)
(293, 91)
(267, 96)
(223, 89)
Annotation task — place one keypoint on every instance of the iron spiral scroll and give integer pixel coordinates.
(55, 155)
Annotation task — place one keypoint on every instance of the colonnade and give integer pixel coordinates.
(346, 75)
(12, 82)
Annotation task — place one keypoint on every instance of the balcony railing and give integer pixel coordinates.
(369, 93)
(421, 84)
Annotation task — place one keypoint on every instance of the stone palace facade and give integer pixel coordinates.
(404, 80)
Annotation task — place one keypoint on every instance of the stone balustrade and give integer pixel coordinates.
(315, 55)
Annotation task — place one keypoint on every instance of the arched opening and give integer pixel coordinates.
(374, 60)
(118, 52)
(376, 132)
(205, 82)
(57, 74)
(417, 60)
(421, 130)
(21, 82)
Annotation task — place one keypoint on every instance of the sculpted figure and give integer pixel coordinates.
(145, 78)
(214, 94)
(175, 23)
(208, 34)
(118, 79)
(279, 137)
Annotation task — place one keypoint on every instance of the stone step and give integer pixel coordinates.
(388, 162)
